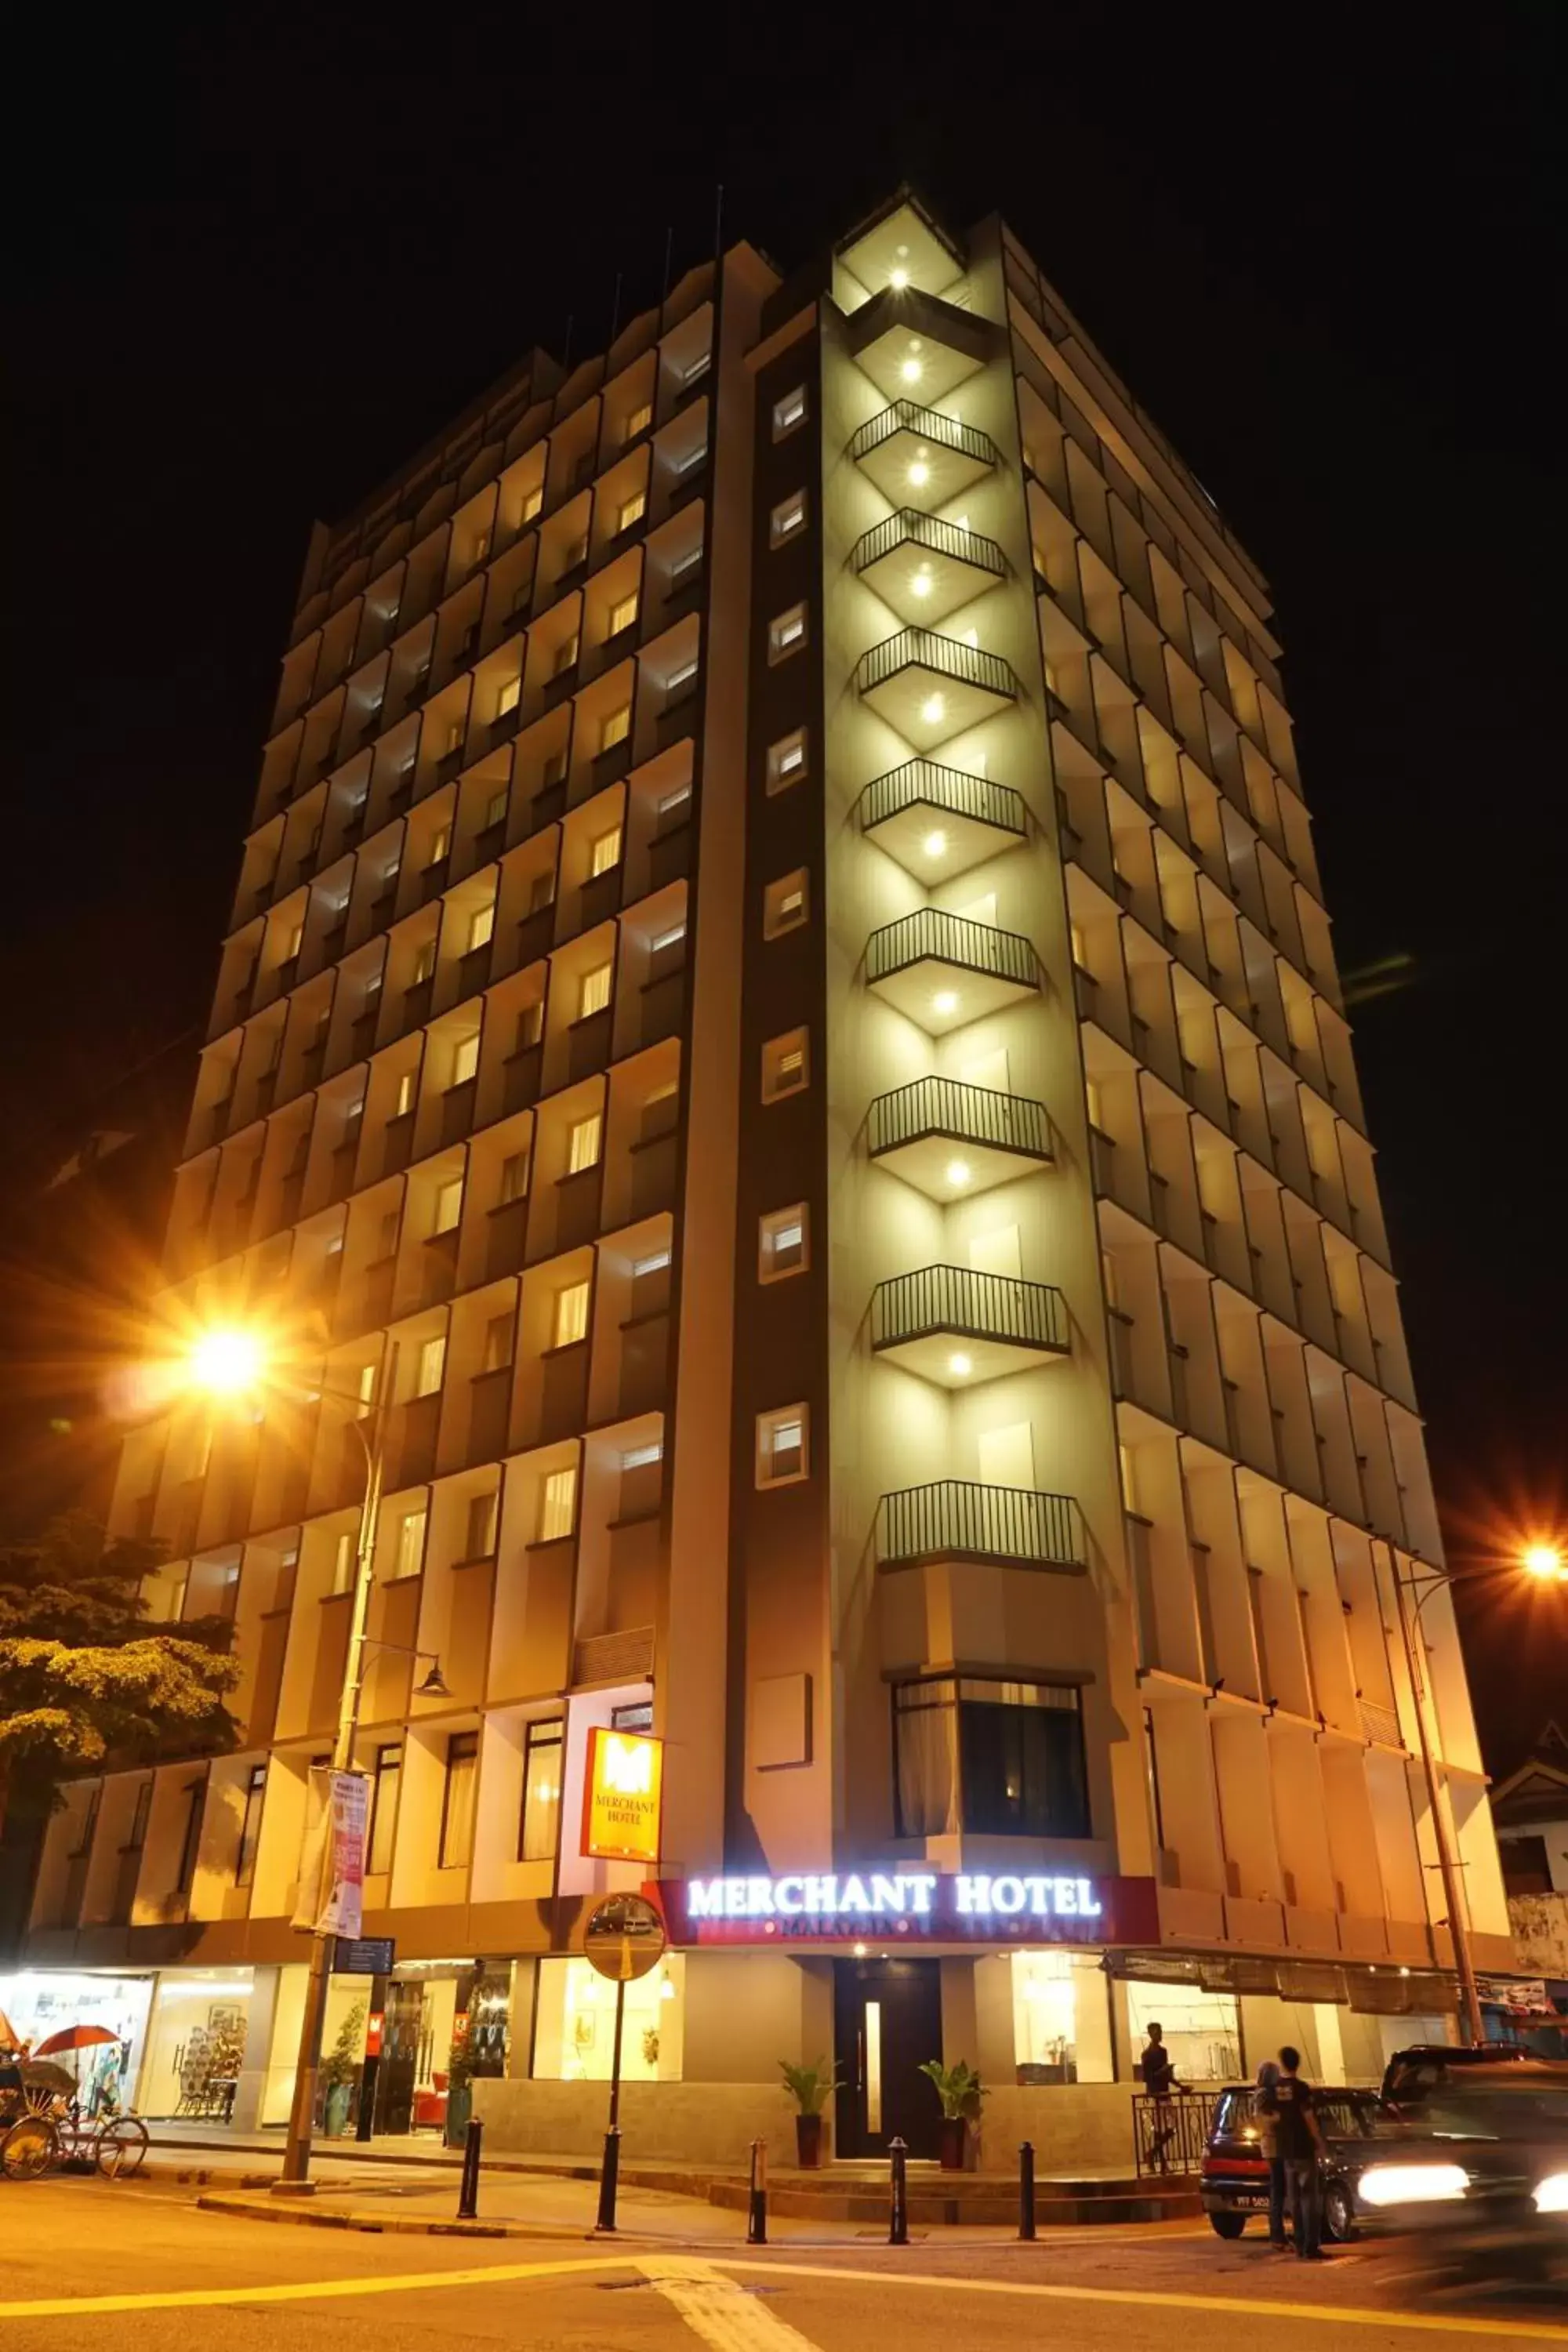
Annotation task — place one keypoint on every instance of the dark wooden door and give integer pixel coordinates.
(887, 2024)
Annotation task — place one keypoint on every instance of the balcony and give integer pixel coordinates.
(931, 688)
(1005, 1324)
(914, 345)
(938, 820)
(913, 1132)
(942, 971)
(917, 457)
(924, 568)
(955, 1518)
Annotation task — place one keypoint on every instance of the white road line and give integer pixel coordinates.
(719, 2310)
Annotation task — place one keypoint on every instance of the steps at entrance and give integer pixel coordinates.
(938, 2200)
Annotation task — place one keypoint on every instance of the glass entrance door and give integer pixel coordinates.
(887, 2024)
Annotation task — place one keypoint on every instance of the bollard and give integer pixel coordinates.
(1027, 2190)
(609, 2176)
(757, 2206)
(468, 2187)
(899, 2223)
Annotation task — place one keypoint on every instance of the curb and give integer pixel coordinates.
(306, 2217)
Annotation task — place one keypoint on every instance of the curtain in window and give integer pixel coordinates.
(926, 1760)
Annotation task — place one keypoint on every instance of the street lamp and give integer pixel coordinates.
(1544, 1561)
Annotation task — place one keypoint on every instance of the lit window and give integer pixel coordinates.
(782, 1448)
(622, 614)
(781, 1244)
(785, 904)
(682, 564)
(454, 737)
(583, 1143)
(787, 760)
(671, 808)
(406, 1085)
(638, 420)
(654, 1263)
(787, 633)
(343, 1563)
(679, 677)
(593, 991)
(557, 1505)
(788, 517)
(789, 412)
(531, 501)
(642, 1457)
(455, 1850)
(484, 1516)
(539, 1831)
(495, 809)
(663, 944)
(615, 727)
(508, 697)
(367, 1377)
(604, 853)
(384, 1809)
(498, 1344)
(553, 772)
(565, 657)
(513, 1177)
(409, 1555)
(291, 943)
(571, 1323)
(448, 1206)
(631, 510)
(482, 926)
(784, 1065)
(466, 1058)
(423, 962)
(430, 1365)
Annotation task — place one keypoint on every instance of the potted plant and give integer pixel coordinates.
(809, 2086)
(340, 2071)
(959, 2088)
(459, 2088)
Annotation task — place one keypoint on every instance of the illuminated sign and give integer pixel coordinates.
(1040, 1906)
(622, 1788)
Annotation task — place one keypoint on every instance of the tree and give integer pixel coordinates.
(85, 1678)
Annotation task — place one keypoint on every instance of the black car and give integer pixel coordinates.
(1412, 2075)
(1356, 2127)
(1479, 2177)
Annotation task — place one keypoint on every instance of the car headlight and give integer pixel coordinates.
(1550, 2195)
(1416, 2184)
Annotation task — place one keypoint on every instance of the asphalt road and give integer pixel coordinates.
(101, 2268)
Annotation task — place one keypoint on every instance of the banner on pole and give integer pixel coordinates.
(331, 1861)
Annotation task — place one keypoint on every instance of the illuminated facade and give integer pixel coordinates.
(779, 1002)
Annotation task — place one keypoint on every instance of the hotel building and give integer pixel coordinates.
(779, 1013)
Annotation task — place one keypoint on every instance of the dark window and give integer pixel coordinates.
(250, 1826)
(185, 1871)
(138, 1837)
(89, 1825)
(383, 1808)
(1525, 1867)
(1002, 1760)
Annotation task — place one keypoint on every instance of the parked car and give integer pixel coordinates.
(1357, 2127)
(1411, 2076)
(1479, 2177)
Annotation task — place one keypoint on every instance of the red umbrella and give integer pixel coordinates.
(75, 2037)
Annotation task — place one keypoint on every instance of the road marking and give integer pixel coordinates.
(720, 2311)
(1245, 2306)
(207, 2298)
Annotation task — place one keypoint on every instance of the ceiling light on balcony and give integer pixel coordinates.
(920, 585)
(933, 710)
(899, 278)
(919, 474)
(957, 1173)
(935, 843)
(944, 1001)
(960, 1366)
(912, 371)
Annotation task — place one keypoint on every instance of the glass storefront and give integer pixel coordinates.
(195, 2044)
(39, 2003)
(1061, 2017)
(574, 2026)
(1202, 2029)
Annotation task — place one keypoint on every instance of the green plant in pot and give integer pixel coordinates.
(809, 2087)
(340, 2071)
(459, 2087)
(960, 2089)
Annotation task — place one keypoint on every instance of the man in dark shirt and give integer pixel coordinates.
(1297, 2139)
(1159, 2082)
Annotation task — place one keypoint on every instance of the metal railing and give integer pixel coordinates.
(928, 781)
(962, 1299)
(1170, 2135)
(928, 933)
(948, 657)
(910, 528)
(960, 1519)
(941, 431)
(1380, 1723)
(968, 1114)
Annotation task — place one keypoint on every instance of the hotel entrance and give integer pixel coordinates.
(887, 2021)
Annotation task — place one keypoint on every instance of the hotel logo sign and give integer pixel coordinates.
(622, 1787)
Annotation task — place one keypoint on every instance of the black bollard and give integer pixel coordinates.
(899, 2223)
(468, 2189)
(1027, 2190)
(609, 2176)
(757, 2206)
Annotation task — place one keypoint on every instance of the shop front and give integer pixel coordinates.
(41, 2002)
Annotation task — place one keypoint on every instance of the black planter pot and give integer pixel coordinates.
(808, 2142)
(954, 2132)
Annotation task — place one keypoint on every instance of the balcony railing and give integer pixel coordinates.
(942, 432)
(930, 934)
(957, 1518)
(948, 656)
(968, 1114)
(908, 527)
(959, 1298)
(928, 783)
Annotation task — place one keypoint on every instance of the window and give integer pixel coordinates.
(786, 633)
(448, 1206)
(677, 678)
(788, 517)
(604, 853)
(666, 949)
(440, 845)
(671, 809)
(571, 1320)
(785, 905)
(404, 1100)
(685, 563)
(654, 1263)
(250, 1826)
(138, 1837)
(785, 1065)
(428, 1366)
(384, 1787)
(789, 412)
(622, 616)
(638, 420)
(781, 1244)
(424, 963)
(1000, 1759)
(186, 1868)
(508, 697)
(466, 1058)
(455, 1848)
(531, 501)
(631, 510)
(454, 737)
(593, 991)
(482, 925)
(565, 657)
(409, 1555)
(484, 1515)
(343, 1563)
(557, 1505)
(89, 1824)
(782, 1450)
(637, 1714)
(514, 1177)
(787, 760)
(495, 809)
(642, 1457)
(540, 1829)
(497, 1352)
(583, 1143)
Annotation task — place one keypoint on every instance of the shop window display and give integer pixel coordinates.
(1061, 2017)
(1202, 2029)
(575, 2032)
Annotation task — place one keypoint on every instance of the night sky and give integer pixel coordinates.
(263, 256)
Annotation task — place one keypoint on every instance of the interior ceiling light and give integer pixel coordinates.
(957, 1172)
(960, 1366)
(935, 845)
(933, 710)
(945, 1001)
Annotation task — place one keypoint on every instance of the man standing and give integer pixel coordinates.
(1299, 2139)
(1159, 2082)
